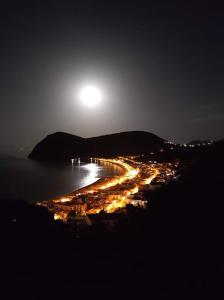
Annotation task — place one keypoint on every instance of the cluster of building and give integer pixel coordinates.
(111, 195)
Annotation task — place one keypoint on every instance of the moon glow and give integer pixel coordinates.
(90, 96)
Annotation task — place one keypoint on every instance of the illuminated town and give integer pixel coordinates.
(111, 195)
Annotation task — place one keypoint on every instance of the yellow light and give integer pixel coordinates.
(64, 200)
(135, 175)
(57, 217)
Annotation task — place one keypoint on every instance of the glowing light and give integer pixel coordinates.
(90, 96)
(136, 174)
(92, 174)
(57, 217)
(65, 200)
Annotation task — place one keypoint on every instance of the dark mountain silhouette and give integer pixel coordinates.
(62, 146)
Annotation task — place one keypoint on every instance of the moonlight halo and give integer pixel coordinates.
(90, 95)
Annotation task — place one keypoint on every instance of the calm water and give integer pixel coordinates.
(33, 181)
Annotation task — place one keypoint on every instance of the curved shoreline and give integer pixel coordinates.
(95, 185)
(109, 194)
(98, 181)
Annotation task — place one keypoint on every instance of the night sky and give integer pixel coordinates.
(159, 66)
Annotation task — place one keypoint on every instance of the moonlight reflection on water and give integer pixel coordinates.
(37, 181)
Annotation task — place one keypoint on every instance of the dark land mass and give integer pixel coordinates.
(198, 142)
(62, 146)
(172, 250)
(210, 165)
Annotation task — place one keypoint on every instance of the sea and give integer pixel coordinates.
(22, 178)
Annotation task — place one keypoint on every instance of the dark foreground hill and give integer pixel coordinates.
(209, 166)
(63, 146)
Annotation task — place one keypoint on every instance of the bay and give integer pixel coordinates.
(35, 181)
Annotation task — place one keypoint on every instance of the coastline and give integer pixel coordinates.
(110, 194)
(95, 185)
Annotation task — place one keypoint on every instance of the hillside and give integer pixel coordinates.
(62, 146)
(210, 165)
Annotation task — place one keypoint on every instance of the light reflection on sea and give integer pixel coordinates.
(36, 181)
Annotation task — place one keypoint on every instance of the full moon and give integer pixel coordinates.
(90, 96)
